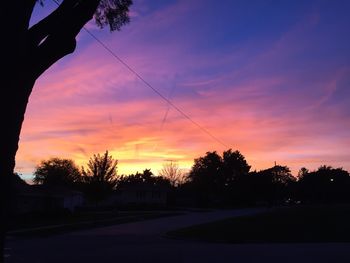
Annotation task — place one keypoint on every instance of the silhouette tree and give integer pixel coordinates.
(326, 184)
(271, 185)
(220, 178)
(146, 177)
(205, 170)
(17, 186)
(204, 176)
(233, 179)
(280, 174)
(234, 166)
(28, 52)
(302, 172)
(100, 177)
(57, 172)
(172, 171)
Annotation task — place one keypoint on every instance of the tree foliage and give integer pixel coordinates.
(100, 176)
(234, 166)
(326, 184)
(272, 185)
(215, 176)
(205, 170)
(172, 171)
(114, 13)
(302, 172)
(278, 174)
(144, 178)
(214, 170)
(58, 172)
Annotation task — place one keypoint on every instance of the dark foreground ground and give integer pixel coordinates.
(146, 242)
(299, 224)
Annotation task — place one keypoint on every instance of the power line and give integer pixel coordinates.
(154, 89)
(151, 87)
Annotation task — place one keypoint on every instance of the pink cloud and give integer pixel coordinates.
(263, 103)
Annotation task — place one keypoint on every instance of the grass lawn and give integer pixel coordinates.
(284, 225)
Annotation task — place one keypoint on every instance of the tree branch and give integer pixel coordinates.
(40, 30)
(29, 6)
(60, 40)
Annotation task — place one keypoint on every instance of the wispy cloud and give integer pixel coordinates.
(278, 94)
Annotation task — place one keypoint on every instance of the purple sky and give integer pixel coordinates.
(268, 78)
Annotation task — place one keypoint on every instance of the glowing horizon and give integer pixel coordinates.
(269, 80)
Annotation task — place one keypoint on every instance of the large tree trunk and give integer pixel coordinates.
(26, 54)
(13, 104)
(14, 93)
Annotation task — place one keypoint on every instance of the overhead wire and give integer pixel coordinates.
(204, 130)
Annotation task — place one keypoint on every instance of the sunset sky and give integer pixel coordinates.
(268, 78)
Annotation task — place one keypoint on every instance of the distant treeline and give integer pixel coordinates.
(213, 180)
(227, 180)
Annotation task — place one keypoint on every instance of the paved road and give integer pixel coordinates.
(143, 242)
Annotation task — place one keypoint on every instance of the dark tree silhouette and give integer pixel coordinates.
(17, 180)
(234, 182)
(213, 176)
(100, 176)
(280, 174)
(146, 177)
(234, 166)
(27, 52)
(172, 171)
(325, 185)
(204, 176)
(302, 172)
(17, 185)
(57, 172)
(205, 169)
(271, 185)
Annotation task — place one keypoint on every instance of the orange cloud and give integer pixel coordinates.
(276, 101)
